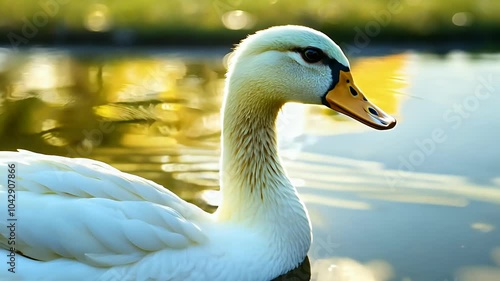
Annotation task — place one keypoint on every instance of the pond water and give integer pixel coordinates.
(418, 203)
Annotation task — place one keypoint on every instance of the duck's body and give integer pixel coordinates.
(85, 220)
(78, 219)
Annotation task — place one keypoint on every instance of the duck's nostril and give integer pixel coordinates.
(365, 99)
(373, 111)
(353, 92)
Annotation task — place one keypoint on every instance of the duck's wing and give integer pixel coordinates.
(89, 211)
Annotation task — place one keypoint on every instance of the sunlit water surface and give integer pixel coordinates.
(419, 202)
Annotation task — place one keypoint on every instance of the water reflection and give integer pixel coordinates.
(157, 116)
(345, 269)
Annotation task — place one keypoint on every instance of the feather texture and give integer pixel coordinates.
(115, 217)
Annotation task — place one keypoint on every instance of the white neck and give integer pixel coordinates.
(255, 188)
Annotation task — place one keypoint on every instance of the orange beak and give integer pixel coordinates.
(347, 99)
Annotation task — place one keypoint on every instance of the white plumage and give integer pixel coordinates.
(79, 219)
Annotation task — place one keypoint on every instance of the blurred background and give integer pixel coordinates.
(216, 22)
(138, 85)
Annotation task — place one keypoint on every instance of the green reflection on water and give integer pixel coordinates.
(143, 114)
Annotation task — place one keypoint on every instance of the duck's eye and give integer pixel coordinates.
(312, 54)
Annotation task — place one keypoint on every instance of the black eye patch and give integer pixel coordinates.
(335, 67)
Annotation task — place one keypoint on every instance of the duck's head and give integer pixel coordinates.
(300, 64)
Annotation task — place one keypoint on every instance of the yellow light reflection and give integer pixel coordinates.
(41, 73)
(98, 19)
(462, 19)
(346, 269)
(137, 140)
(49, 124)
(54, 139)
(238, 19)
(143, 79)
(381, 79)
(44, 76)
(482, 226)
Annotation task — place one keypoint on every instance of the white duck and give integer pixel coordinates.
(79, 219)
